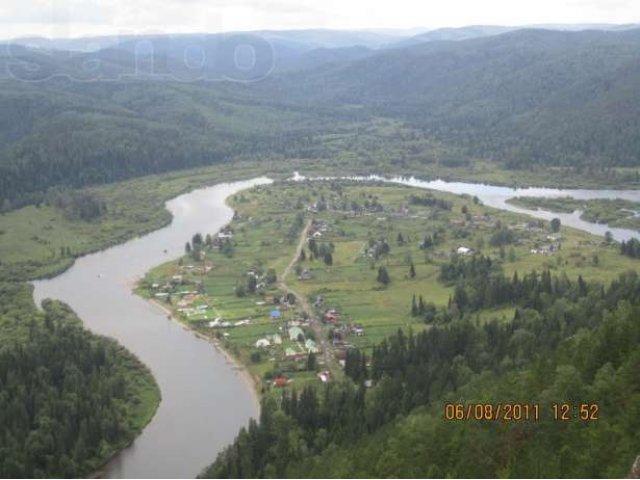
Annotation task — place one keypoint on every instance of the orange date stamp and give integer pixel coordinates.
(519, 412)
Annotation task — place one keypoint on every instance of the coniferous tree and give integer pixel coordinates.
(383, 276)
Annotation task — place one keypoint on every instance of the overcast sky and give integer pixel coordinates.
(61, 18)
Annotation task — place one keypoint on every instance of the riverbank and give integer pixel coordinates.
(136, 207)
(252, 382)
(617, 213)
(150, 399)
(224, 291)
(96, 395)
(132, 209)
(272, 233)
(197, 382)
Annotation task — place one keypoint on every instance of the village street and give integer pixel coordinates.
(316, 325)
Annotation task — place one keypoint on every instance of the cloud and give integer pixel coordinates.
(56, 12)
(98, 17)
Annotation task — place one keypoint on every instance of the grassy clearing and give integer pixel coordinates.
(352, 221)
(42, 241)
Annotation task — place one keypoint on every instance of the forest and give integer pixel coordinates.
(555, 102)
(68, 399)
(568, 341)
(523, 98)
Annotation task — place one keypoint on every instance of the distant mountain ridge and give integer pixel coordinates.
(530, 88)
(311, 39)
(521, 98)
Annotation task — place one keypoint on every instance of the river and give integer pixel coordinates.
(205, 401)
(497, 196)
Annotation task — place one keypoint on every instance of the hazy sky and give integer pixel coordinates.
(54, 18)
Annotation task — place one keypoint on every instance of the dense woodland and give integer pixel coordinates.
(523, 99)
(568, 342)
(68, 398)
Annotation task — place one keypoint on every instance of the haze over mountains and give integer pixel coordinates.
(310, 39)
(520, 98)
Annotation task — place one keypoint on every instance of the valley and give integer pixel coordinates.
(294, 253)
(306, 257)
(342, 304)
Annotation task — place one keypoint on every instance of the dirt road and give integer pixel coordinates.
(317, 326)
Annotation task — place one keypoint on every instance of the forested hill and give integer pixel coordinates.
(521, 99)
(569, 342)
(530, 96)
(68, 133)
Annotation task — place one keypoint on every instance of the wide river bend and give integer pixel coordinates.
(205, 400)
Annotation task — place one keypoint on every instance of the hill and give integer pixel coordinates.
(531, 96)
(521, 99)
(65, 126)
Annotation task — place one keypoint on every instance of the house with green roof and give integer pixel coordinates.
(294, 333)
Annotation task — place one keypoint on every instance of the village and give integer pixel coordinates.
(294, 282)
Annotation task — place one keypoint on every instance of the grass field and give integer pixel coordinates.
(352, 220)
(42, 241)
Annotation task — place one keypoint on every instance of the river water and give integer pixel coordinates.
(497, 196)
(205, 401)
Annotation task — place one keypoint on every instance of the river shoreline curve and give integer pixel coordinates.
(204, 401)
(207, 393)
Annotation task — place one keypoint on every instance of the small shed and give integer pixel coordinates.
(331, 317)
(263, 343)
(306, 275)
(325, 376)
(280, 381)
(275, 314)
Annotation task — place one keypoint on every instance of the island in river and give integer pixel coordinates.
(615, 212)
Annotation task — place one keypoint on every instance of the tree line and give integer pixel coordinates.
(565, 336)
